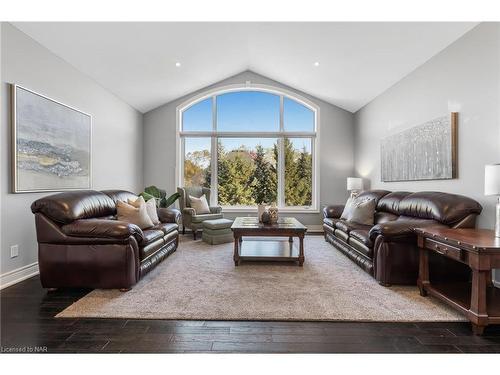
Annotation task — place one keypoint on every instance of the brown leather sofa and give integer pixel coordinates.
(81, 244)
(388, 250)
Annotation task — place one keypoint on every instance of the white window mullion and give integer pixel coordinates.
(182, 156)
(213, 165)
(281, 172)
(281, 160)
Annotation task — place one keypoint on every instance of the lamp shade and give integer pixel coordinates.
(492, 179)
(354, 183)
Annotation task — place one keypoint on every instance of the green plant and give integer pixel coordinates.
(159, 195)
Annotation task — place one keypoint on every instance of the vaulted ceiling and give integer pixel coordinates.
(137, 61)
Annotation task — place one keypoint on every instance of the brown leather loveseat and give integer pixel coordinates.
(81, 244)
(388, 249)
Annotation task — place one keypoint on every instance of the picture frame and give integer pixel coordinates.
(51, 146)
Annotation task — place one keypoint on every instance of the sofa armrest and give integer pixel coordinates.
(169, 215)
(215, 209)
(101, 228)
(399, 229)
(333, 211)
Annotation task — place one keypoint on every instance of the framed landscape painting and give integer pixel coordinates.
(51, 144)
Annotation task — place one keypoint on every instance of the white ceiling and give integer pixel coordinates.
(136, 61)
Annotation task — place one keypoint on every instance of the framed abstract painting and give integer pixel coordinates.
(51, 144)
(424, 152)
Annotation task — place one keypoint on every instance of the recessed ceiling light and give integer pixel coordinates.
(316, 64)
(178, 64)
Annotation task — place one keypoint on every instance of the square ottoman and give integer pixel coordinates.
(217, 231)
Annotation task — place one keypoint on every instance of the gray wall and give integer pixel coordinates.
(463, 77)
(117, 134)
(336, 144)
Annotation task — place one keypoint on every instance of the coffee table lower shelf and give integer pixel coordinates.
(268, 251)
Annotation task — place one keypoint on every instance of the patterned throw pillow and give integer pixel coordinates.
(362, 211)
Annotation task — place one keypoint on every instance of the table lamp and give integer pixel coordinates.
(492, 187)
(354, 185)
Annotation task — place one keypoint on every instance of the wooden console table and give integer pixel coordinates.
(478, 300)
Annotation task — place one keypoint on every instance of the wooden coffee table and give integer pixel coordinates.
(258, 249)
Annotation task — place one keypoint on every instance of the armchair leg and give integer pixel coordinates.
(194, 234)
(183, 230)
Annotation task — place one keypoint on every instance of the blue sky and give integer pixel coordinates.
(247, 111)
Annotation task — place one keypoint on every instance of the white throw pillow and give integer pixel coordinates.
(134, 215)
(200, 205)
(150, 208)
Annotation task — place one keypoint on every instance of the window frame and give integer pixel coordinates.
(280, 135)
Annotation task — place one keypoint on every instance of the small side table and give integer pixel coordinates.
(478, 300)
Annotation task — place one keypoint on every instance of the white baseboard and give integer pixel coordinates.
(18, 275)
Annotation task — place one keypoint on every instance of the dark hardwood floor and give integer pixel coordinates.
(28, 324)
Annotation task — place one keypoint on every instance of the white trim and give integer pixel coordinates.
(247, 86)
(18, 275)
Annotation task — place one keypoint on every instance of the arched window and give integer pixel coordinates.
(250, 145)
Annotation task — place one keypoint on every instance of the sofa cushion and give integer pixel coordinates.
(73, 205)
(373, 194)
(346, 226)
(151, 235)
(361, 235)
(443, 207)
(166, 228)
(148, 249)
(361, 247)
(330, 221)
(383, 217)
(119, 195)
(390, 202)
(341, 234)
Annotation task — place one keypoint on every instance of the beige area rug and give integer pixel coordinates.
(200, 282)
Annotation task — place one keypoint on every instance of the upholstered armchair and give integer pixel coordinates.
(189, 217)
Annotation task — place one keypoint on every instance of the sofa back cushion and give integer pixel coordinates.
(73, 205)
(373, 194)
(390, 202)
(120, 195)
(443, 207)
(381, 217)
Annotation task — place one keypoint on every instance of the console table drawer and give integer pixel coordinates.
(444, 249)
